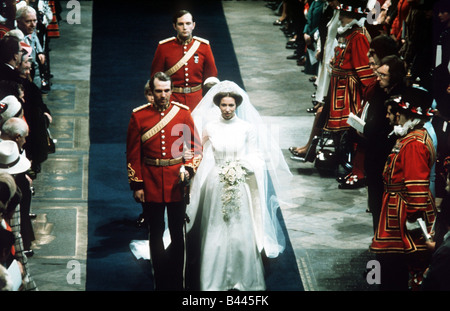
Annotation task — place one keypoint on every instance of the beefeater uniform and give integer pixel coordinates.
(154, 161)
(407, 194)
(187, 75)
(350, 74)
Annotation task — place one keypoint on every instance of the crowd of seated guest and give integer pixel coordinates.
(26, 27)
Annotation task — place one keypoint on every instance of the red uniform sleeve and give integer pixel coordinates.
(134, 155)
(360, 60)
(416, 159)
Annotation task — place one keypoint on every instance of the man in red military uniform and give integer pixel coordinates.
(399, 244)
(158, 135)
(188, 60)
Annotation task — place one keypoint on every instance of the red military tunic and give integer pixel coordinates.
(160, 183)
(193, 72)
(350, 74)
(407, 194)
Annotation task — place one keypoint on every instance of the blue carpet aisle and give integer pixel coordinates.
(125, 36)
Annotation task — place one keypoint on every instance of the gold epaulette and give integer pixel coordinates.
(181, 105)
(167, 40)
(201, 40)
(141, 107)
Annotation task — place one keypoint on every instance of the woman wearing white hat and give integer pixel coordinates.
(11, 161)
(16, 164)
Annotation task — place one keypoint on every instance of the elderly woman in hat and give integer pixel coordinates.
(13, 162)
(399, 240)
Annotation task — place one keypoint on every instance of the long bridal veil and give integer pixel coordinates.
(274, 183)
(276, 172)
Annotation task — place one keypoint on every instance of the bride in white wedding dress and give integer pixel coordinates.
(235, 196)
(233, 205)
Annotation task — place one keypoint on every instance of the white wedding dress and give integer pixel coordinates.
(226, 253)
(231, 238)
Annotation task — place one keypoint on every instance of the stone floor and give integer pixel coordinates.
(61, 189)
(329, 228)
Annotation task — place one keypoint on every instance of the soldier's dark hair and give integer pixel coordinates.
(161, 76)
(180, 13)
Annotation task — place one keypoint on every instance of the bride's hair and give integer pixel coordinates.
(218, 97)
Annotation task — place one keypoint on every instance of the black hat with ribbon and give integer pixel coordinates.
(415, 101)
(357, 8)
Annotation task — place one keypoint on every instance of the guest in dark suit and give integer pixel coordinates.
(391, 74)
(10, 58)
(36, 112)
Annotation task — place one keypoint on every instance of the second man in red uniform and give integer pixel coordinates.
(187, 59)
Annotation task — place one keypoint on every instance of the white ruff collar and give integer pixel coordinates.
(401, 131)
(342, 29)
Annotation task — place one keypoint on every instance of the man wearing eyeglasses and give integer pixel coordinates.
(390, 74)
(383, 76)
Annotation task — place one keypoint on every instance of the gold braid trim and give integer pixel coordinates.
(195, 163)
(132, 174)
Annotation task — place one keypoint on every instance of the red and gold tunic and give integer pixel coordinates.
(192, 74)
(53, 27)
(350, 74)
(160, 183)
(407, 194)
